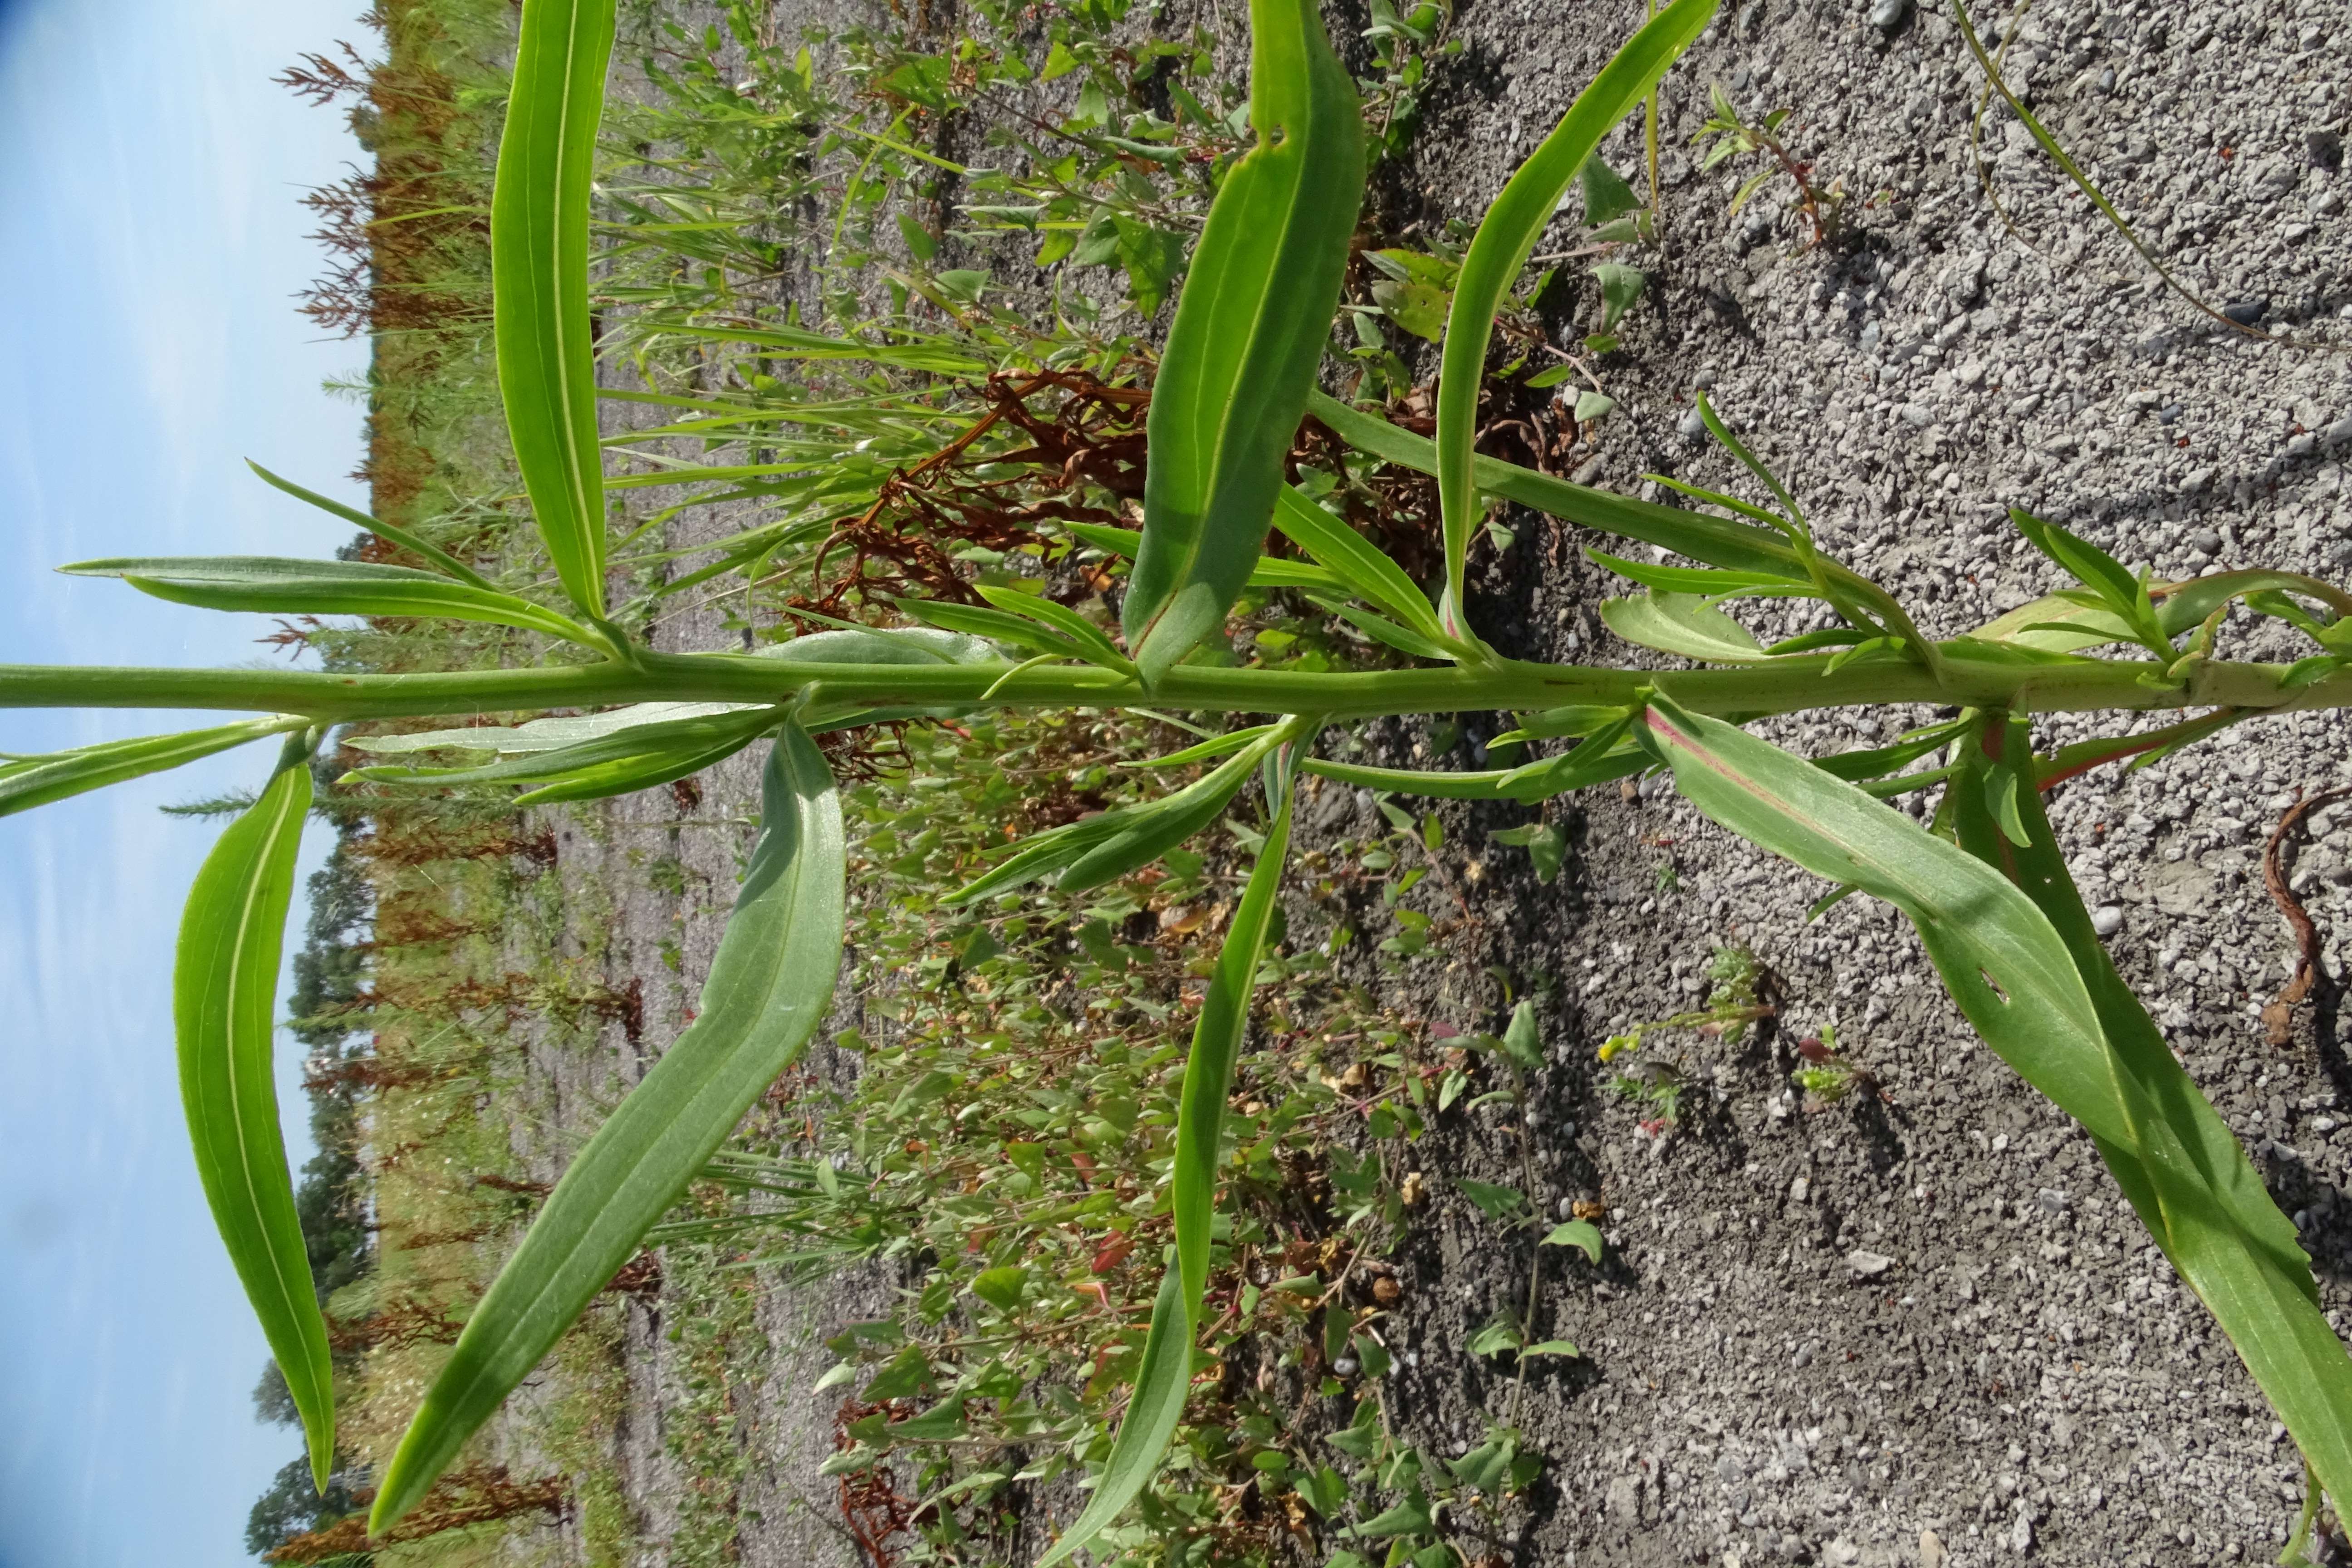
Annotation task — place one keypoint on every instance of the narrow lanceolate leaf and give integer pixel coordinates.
(1506, 236)
(384, 531)
(769, 987)
(543, 734)
(539, 280)
(224, 1010)
(1368, 574)
(1700, 579)
(280, 585)
(1248, 334)
(1683, 624)
(28, 782)
(1719, 541)
(2008, 933)
(634, 746)
(1110, 844)
(998, 626)
(1270, 572)
(2189, 1180)
(1165, 1374)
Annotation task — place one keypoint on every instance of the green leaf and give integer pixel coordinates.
(2002, 788)
(1323, 1490)
(603, 765)
(1703, 579)
(401, 537)
(28, 782)
(1487, 1466)
(223, 1011)
(908, 1373)
(277, 585)
(1487, 785)
(1098, 648)
(1001, 625)
(1355, 561)
(2185, 1172)
(1381, 629)
(538, 282)
(1551, 1347)
(877, 645)
(2184, 604)
(2123, 595)
(1269, 571)
(942, 1423)
(1523, 1038)
(1908, 748)
(1000, 1287)
(1411, 1517)
(1418, 308)
(1215, 746)
(1546, 844)
(1496, 1203)
(1607, 196)
(769, 987)
(545, 734)
(1578, 719)
(922, 244)
(932, 1086)
(1719, 542)
(1099, 848)
(799, 343)
(1505, 238)
(2032, 976)
(1248, 335)
(1681, 624)
(1578, 1233)
(1166, 1372)
(1500, 1334)
(1621, 285)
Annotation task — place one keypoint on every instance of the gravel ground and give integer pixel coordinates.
(1920, 1328)
(1832, 1334)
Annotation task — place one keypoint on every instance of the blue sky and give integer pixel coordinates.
(150, 241)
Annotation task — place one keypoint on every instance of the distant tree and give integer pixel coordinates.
(292, 1507)
(273, 1401)
(329, 979)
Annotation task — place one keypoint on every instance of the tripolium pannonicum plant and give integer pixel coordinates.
(1984, 881)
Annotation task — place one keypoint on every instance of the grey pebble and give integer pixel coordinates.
(2107, 919)
(1694, 427)
(2246, 313)
(2168, 414)
(2325, 147)
(1868, 1264)
(1887, 15)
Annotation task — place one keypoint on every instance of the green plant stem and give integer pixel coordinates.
(1783, 686)
(1650, 148)
(1525, 1098)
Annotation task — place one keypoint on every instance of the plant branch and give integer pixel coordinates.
(1786, 685)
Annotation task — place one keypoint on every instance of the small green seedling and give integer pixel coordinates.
(1727, 135)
